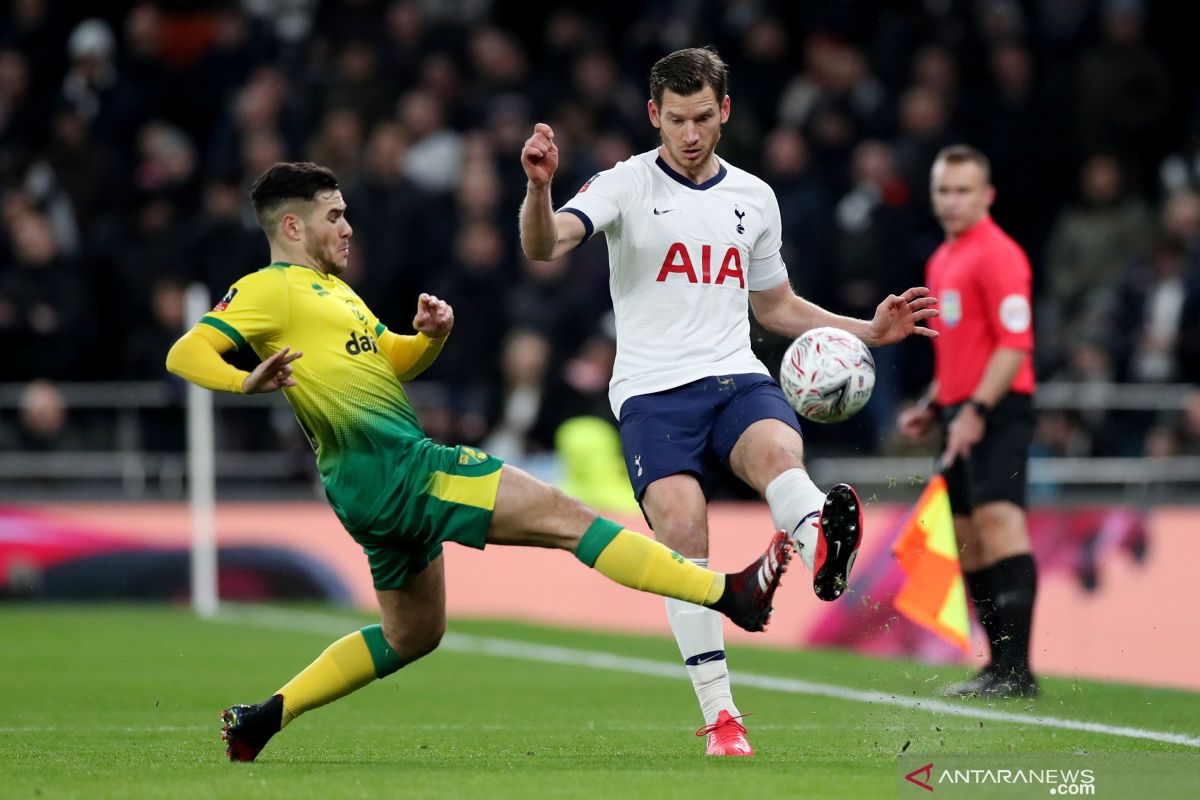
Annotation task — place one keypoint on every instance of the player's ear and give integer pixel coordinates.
(725, 110)
(652, 110)
(291, 227)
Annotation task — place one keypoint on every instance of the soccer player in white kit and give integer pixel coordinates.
(693, 240)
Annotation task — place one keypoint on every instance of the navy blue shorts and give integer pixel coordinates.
(693, 428)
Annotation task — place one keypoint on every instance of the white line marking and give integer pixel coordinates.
(105, 728)
(332, 625)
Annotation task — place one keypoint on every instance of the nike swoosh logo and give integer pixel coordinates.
(713, 657)
(838, 548)
(664, 211)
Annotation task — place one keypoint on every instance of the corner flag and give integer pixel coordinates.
(933, 594)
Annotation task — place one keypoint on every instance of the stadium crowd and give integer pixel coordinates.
(130, 133)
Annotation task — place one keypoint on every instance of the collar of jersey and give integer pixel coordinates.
(976, 230)
(301, 266)
(708, 184)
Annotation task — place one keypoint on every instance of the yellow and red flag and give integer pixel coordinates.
(933, 594)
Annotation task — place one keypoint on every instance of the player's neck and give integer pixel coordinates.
(696, 175)
(281, 255)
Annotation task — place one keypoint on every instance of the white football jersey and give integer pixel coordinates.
(682, 259)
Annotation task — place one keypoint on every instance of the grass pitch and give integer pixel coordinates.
(123, 702)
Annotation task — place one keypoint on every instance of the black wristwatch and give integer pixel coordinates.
(981, 408)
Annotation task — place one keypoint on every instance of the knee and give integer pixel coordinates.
(414, 643)
(998, 519)
(685, 535)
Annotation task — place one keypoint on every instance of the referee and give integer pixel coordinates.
(983, 391)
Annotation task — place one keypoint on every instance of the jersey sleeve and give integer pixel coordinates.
(1006, 282)
(253, 310)
(599, 202)
(767, 269)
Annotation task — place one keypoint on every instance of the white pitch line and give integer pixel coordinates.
(330, 624)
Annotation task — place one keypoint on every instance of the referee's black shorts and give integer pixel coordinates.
(996, 467)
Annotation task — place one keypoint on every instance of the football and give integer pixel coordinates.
(827, 375)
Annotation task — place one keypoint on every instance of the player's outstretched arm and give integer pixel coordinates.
(412, 355)
(545, 235)
(781, 310)
(196, 357)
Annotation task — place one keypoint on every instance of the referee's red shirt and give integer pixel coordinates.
(983, 283)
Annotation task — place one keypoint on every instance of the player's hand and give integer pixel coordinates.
(896, 317)
(435, 318)
(539, 156)
(963, 433)
(915, 422)
(273, 373)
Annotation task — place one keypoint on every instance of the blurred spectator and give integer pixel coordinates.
(924, 121)
(43, 416)
(804, 208)
(78, 169)
(1181, 220)
(872, 227)
(473, 284)
(146, 345)
(359, 86)
(1015, 122)
(338, 143)
(835, 75)
(1188, 342)
(1089, 245)
(433, 158)
(1124, 88)
(43, 316)
(1179, 434)
(514, 421)
(20, 117)
(1151, 311)
(765, 57)
(224, 241)
(91, 80)
(552, 300)
(393, 229)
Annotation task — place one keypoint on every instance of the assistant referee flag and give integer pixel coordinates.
(933, 594)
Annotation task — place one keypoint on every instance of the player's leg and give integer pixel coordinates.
(759, 437)
(665, 440)
(995, 551)
(413, 619)
(677, 511)
(530, 513)
(1008, 575)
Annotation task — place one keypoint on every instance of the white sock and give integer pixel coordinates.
(701, 641)
(795, 503)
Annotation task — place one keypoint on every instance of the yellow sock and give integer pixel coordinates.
(349, 663)
(640, 562)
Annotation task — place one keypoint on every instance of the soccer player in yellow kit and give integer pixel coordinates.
(398, 494)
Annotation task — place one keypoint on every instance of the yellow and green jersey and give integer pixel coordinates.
(347, 397)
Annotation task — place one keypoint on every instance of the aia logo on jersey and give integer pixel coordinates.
(226, 300)
(679, 260)
(584, 188)
(361, 343)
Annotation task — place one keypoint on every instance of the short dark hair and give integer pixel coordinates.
(964, 154)
(288, 181)
(688, 71)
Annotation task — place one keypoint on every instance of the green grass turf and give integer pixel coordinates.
(121, 702)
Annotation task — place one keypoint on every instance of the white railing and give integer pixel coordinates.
(129, 470)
